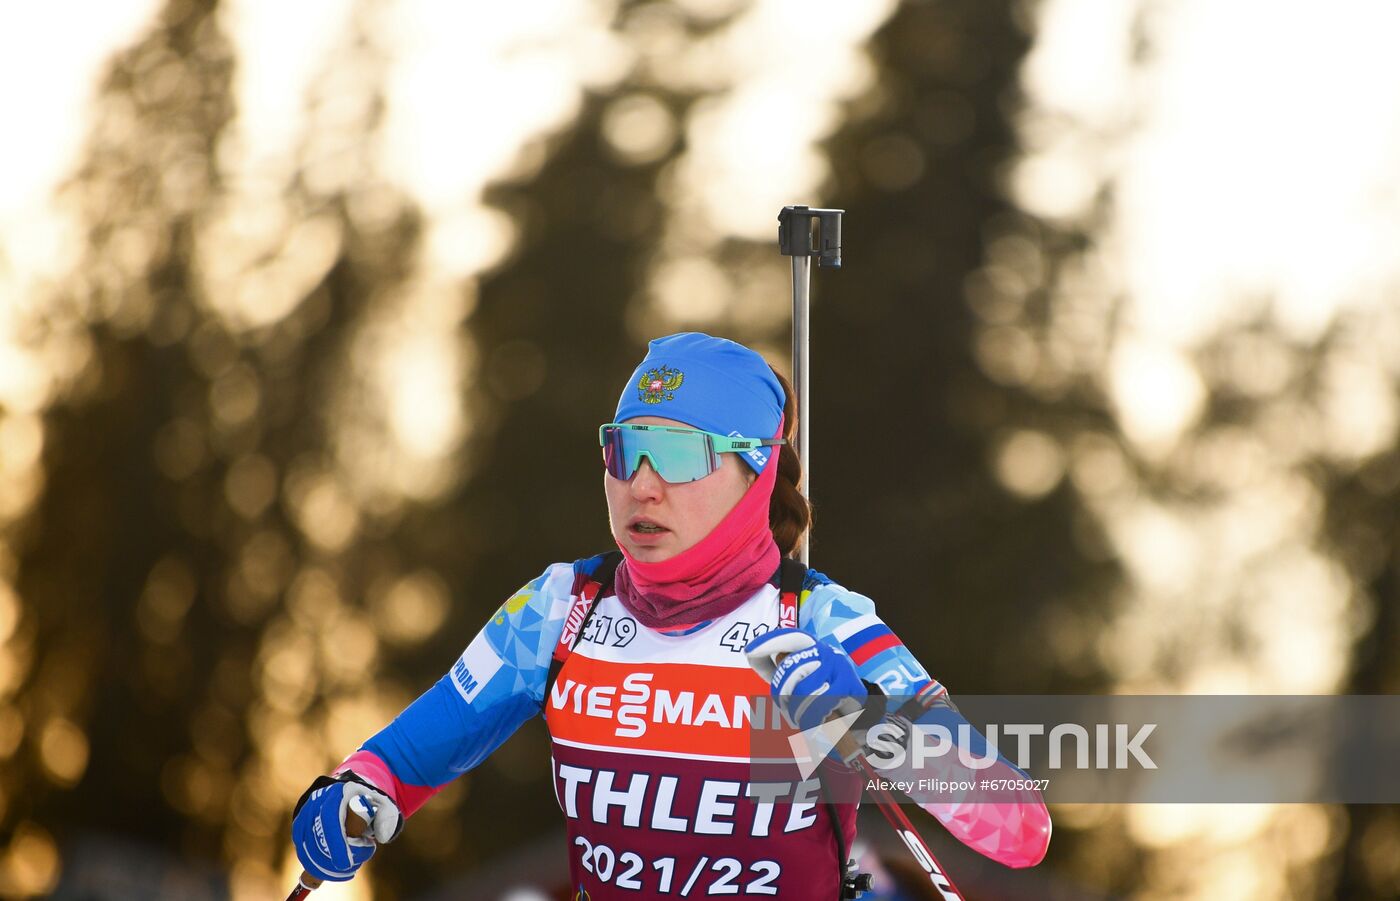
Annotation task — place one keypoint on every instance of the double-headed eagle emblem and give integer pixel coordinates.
(660, 384)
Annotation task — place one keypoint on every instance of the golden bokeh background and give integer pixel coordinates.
(309, 313)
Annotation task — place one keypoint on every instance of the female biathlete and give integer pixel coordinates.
(638, 663)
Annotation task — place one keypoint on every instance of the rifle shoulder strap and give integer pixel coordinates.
(590, 589)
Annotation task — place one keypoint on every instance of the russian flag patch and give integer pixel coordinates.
(869, 641)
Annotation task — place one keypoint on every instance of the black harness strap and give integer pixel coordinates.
(603, 578)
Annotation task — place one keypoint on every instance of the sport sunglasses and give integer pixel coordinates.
(677, 454)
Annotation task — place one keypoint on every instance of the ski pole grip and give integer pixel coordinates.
(355, 826)
(805, 232)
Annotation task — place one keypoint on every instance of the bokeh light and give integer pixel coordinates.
(301, 307)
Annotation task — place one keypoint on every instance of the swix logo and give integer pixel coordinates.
(574, 621)
(670, 707)
(787, 612)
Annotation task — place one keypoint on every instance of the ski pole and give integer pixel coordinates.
(895, 816)
(923, 855)
(802, 234)
(355, 826)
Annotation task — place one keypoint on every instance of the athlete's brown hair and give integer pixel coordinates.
(789, 513)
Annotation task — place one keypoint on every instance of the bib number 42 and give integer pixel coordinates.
(740, 634)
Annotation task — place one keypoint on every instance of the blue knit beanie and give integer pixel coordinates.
(709, 383)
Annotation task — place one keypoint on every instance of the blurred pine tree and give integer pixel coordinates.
(909, 509)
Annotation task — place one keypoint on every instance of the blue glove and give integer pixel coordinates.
(318, 830)
(812, 679)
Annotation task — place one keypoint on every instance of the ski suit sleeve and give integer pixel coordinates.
(1016, 834)
(495, 685)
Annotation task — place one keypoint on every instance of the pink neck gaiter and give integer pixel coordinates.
(715, 576)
